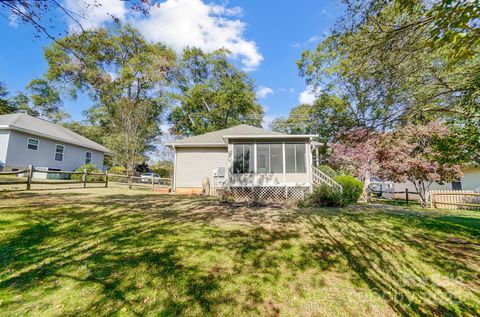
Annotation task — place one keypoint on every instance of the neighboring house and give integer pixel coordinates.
(243, 157)
(469, 181)
(25, 140)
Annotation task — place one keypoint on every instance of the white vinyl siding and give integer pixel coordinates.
(193, 164)
(18, 155)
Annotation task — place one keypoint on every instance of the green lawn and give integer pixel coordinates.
(119, 252)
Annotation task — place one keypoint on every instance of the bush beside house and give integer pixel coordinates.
(352, 188)
(326, 196)
(90, 169)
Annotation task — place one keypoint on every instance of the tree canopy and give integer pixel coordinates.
(126, 78)
(397, 66)
(212, 94)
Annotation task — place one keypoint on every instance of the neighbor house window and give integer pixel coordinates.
(59, 150)
(269, 158)
(32, 144)
(88, 158)
(295, 158)
(457, 185)
(243, 158)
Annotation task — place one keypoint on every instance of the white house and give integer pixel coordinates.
(469, 181)
(25, 140)
(243, 157)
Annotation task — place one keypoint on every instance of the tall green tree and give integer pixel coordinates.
(45, 100)
(393, 70)
(5, 106)
(126, 78)
(213, 94)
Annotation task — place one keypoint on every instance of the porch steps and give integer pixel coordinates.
(319, 178)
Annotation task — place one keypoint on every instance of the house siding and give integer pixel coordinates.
(193, 164)
(470, 181)
(18, 156)
(4, 136)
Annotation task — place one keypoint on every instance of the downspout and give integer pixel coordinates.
(174, 185)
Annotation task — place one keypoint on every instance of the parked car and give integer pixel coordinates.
(147, 178)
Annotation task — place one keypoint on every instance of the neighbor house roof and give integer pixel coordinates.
(243, 131)
(22, 122)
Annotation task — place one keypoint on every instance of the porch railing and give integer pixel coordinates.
(319, 178)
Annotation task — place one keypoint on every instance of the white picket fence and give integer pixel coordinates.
(454, 199)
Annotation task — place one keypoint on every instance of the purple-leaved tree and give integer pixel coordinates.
(356, 154)
(412, 154)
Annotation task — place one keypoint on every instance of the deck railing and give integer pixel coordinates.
(319, 178)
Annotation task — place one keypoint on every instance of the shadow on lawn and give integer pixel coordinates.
(165, 254)
(378, 248)
(140, 250)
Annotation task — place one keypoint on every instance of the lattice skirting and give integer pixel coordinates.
(270, 194)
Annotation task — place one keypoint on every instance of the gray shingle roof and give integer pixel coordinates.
(216, 137)
(28, 124)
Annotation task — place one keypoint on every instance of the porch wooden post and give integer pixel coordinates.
(84, 178)
(29, 177)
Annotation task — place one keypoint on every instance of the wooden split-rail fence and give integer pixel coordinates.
(27, 177)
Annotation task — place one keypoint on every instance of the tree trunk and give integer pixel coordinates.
(365, 194)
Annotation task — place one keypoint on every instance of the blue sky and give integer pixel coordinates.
(268, 37)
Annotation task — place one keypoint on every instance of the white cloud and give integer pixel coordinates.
(181, 23)
(307, 96)
(314, 38)
(177, 23)
(263, 92)
(94, 13)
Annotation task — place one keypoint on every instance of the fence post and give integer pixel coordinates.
(84, 178)
(406, 194)
(153, 184)
(29, 177)
(129, 181)
(432, 202)
(106, 179)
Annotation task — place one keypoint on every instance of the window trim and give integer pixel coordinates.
(28, 143)
(88, 158)
(63, 152)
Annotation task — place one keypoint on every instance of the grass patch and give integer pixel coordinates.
(114, 251)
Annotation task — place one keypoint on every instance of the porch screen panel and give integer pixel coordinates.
(276, 158)
(243, 158)
(290, 165)
(263, 158)
(300, 158)
(295, 158)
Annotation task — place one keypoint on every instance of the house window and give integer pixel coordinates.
(59, 151)
(457, 185)
(88, 158)
(269, 158)
(32, 144)
(243, 158)
(295, 158)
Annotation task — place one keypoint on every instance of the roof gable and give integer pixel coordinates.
(31, 125)
(217, 138)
